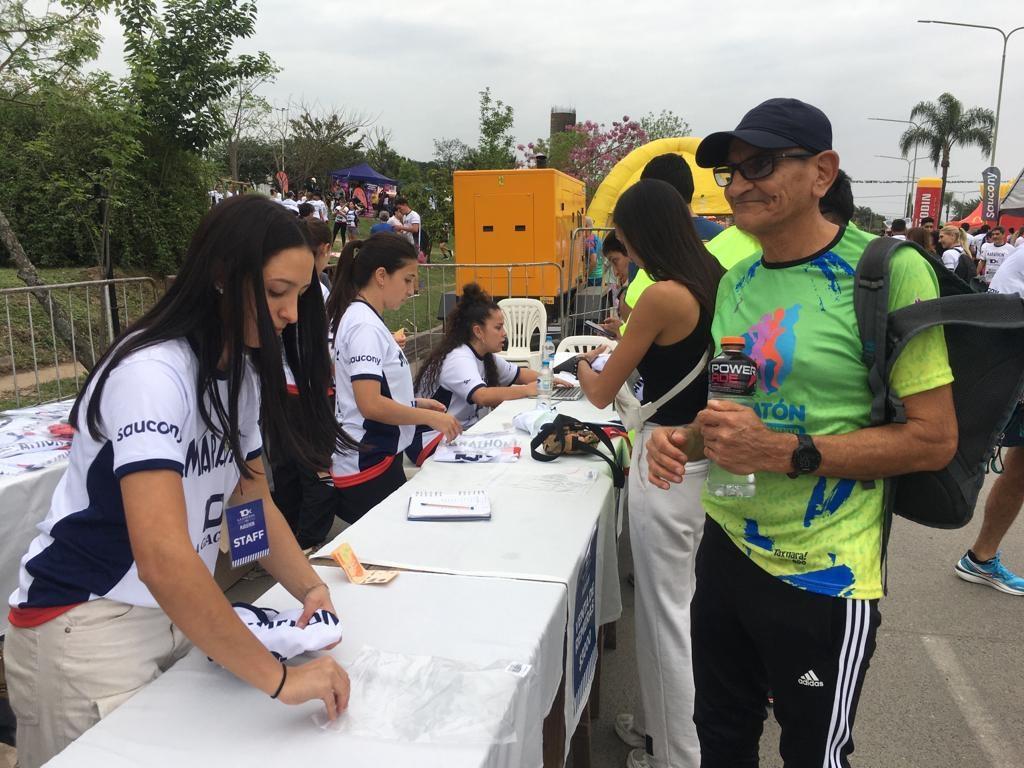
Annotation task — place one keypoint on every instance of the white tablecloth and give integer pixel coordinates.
(536, 534)
(25, 497)
(199, 715)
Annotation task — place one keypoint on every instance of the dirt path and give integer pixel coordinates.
(26, 380)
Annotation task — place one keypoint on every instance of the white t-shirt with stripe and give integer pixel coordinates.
(462, 374)
(365, 349)
(149, 420)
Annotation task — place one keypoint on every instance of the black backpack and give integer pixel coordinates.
(985, 340)
(965, 268)
(425, 242)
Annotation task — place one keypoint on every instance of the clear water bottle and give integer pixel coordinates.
(548, 351)
(731, 376)
(545, 383)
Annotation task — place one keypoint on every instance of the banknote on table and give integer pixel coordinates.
(346, 558)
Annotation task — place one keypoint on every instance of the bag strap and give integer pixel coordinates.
(648, 410)
(871, 306)
(566, 422)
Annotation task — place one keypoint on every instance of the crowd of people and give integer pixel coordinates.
(739, 601)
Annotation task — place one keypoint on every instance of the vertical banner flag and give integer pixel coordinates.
(990, 196)
(282, 181)
(926, 200)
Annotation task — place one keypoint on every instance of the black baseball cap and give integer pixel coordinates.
(773, 124)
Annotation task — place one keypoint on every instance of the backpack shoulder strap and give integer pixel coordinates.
(871, 306)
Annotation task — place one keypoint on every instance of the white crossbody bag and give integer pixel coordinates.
(634, 415)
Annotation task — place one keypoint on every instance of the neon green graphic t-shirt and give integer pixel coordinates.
(822, 534)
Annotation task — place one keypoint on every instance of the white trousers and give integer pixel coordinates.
(66, 675)
(665, 528)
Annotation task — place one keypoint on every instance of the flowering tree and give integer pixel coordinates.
(601, 148)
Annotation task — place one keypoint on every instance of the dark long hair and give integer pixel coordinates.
(475, 306)
(658, 227)
(358, 261)
(228, 252)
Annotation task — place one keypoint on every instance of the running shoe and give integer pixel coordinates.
(992, 573)
(625, 730)
(637, 758)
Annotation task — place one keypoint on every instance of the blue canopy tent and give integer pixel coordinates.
(362, 173)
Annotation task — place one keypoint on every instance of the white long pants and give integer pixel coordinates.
(665, 528)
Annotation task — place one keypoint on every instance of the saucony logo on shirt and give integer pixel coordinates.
(149, 425)
(364, 359)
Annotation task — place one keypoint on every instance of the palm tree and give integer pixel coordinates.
(943, 124)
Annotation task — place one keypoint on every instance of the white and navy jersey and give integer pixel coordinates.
(993, 256)
(462, 374)
(365, 349)
(150, 420)
(289, 377)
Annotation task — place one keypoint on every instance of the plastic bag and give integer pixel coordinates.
(429, 700)
(531, 421)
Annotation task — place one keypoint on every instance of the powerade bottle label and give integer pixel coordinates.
(731, 376)
(732, 373)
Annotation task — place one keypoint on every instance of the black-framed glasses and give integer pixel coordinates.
(754, 168)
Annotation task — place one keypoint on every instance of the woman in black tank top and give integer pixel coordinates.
(668, 332)
(669, 329)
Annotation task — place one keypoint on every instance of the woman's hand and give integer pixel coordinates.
(531, 388)
(323, 679)
(317, 598)
(561, 382)
(593, 354)
(445, 423)
(612, 325)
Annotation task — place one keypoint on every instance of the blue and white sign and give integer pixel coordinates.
(584, 625)
(247, 532)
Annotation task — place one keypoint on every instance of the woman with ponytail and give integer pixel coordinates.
(119, 583)
(374, 400)
(464, 373)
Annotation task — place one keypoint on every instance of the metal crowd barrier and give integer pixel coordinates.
(56, 333)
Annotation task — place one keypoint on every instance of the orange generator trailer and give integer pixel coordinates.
(523, 217)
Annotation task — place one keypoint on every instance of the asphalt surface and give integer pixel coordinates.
(946, 684)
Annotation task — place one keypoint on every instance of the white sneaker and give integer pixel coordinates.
(624, 729)
(637, 758)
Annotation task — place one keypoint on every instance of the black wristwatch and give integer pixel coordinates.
(806, 458)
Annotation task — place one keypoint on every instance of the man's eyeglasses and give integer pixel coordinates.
(754, 168)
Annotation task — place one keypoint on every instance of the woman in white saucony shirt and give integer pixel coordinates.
(373, 392)
(119, 584)
(464, 373)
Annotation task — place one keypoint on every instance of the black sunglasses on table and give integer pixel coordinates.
(754, 168)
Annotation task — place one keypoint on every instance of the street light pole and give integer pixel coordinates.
(894, 157)
(284, 126)
(1002, 69)
(913, 171)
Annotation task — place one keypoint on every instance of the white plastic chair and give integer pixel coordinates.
(577, 345)
(522, 318)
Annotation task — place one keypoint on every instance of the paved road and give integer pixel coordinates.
(946, 686)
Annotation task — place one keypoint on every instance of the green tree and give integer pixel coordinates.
(381, 156)
(665, 125)
(944, 124)
(321, 141)
(867, 219)
(961, 209)
(496, 146)
(244, 112)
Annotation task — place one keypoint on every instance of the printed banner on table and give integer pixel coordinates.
(584, 626)
(990, 194)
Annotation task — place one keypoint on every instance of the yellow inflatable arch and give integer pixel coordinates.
(708, 197)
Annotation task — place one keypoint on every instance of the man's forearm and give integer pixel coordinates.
(867, 454)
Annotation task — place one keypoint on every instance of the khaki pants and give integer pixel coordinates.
(64, 676)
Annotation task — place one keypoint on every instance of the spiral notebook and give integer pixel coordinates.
(444, 505)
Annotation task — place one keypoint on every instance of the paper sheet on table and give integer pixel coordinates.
(576, 480)
(429, 700)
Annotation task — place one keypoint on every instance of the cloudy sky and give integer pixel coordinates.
(417, 67)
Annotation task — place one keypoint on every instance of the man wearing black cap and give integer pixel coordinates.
(788, 582)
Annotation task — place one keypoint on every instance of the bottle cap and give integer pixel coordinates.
(733, 341)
